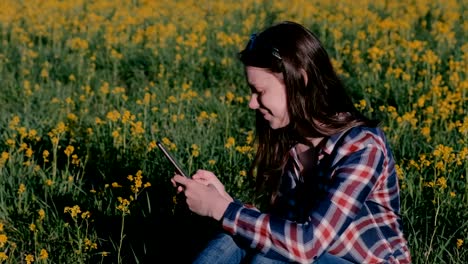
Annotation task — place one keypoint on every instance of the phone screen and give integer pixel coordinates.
(172, 160)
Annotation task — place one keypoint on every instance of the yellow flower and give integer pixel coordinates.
(442, 182)
(43, 254)
(75, 160)
(77, 44)
(72, 117)
(459, 243)
(49, 182)
(69, 150)
(113, 116)
(212, 162)
(29, 258)
(21, 189)
(172, 99)
(123, 206)
(41, 213)
(137, 128)
(28, 152)
(230, 142)
(361, 105)
(203, 116)
(3, 158)
(10, 142)
(195, 150)
(85, 215)
(73, 211)
(3, 240)
(3, 256)
(243, 149)
(152, 145)
(229, 97)
(32, 227)
(89, 245)
(45, 155)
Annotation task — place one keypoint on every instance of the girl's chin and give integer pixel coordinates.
(274, 124)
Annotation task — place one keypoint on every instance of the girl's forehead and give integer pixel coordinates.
(259, 76)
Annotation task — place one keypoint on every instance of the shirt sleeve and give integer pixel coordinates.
(359, 163)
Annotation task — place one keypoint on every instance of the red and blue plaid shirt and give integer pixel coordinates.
(355, 206)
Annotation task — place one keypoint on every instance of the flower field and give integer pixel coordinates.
(89, 86)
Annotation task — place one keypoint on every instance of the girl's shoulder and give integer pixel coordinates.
(356, 138)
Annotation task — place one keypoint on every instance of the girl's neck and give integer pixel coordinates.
(300, 147)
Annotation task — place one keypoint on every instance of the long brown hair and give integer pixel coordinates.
(319, 108)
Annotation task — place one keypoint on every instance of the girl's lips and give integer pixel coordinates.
(265, 114)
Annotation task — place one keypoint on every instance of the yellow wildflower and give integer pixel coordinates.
(43, 254)
(21, 189)
(75, 160)
(85, 215)
(45, 155)
(49, 182)
(123, 206)
(89, 245)
(72, 117)
(73, 211)
(442, 182)
(229, 97)
(41, 213)
(29, 258)
(195, 150)
(459, 243)
(3, 240)
(152, 145)
(69, 150)
(10, 142)
(230, 142)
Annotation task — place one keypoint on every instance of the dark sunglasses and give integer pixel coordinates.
(251, 44)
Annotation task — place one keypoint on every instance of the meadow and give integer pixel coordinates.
(88, 87)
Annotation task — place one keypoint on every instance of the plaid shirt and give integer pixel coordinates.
(355, 213)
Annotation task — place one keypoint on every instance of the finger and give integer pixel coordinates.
(180, 189)
(174, 184)
(197, 176)
(200, 177)
(181, 179)
(203, 174)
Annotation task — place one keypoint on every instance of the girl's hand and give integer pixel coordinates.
(207, 177)
(204, 200)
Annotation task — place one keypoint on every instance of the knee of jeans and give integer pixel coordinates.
(225, 243)
(221, 249)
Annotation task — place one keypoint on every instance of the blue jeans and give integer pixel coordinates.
(223, 249)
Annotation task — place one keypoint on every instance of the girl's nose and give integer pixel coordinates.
(253, 103)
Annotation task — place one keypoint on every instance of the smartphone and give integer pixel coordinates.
(172, 160)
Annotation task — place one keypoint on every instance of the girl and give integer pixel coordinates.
(327, 170)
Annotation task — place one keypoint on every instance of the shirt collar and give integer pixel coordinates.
(332, 140)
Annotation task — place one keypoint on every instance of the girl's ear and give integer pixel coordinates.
(304, 76)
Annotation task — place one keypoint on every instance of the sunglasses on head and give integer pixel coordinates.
(251, 45)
